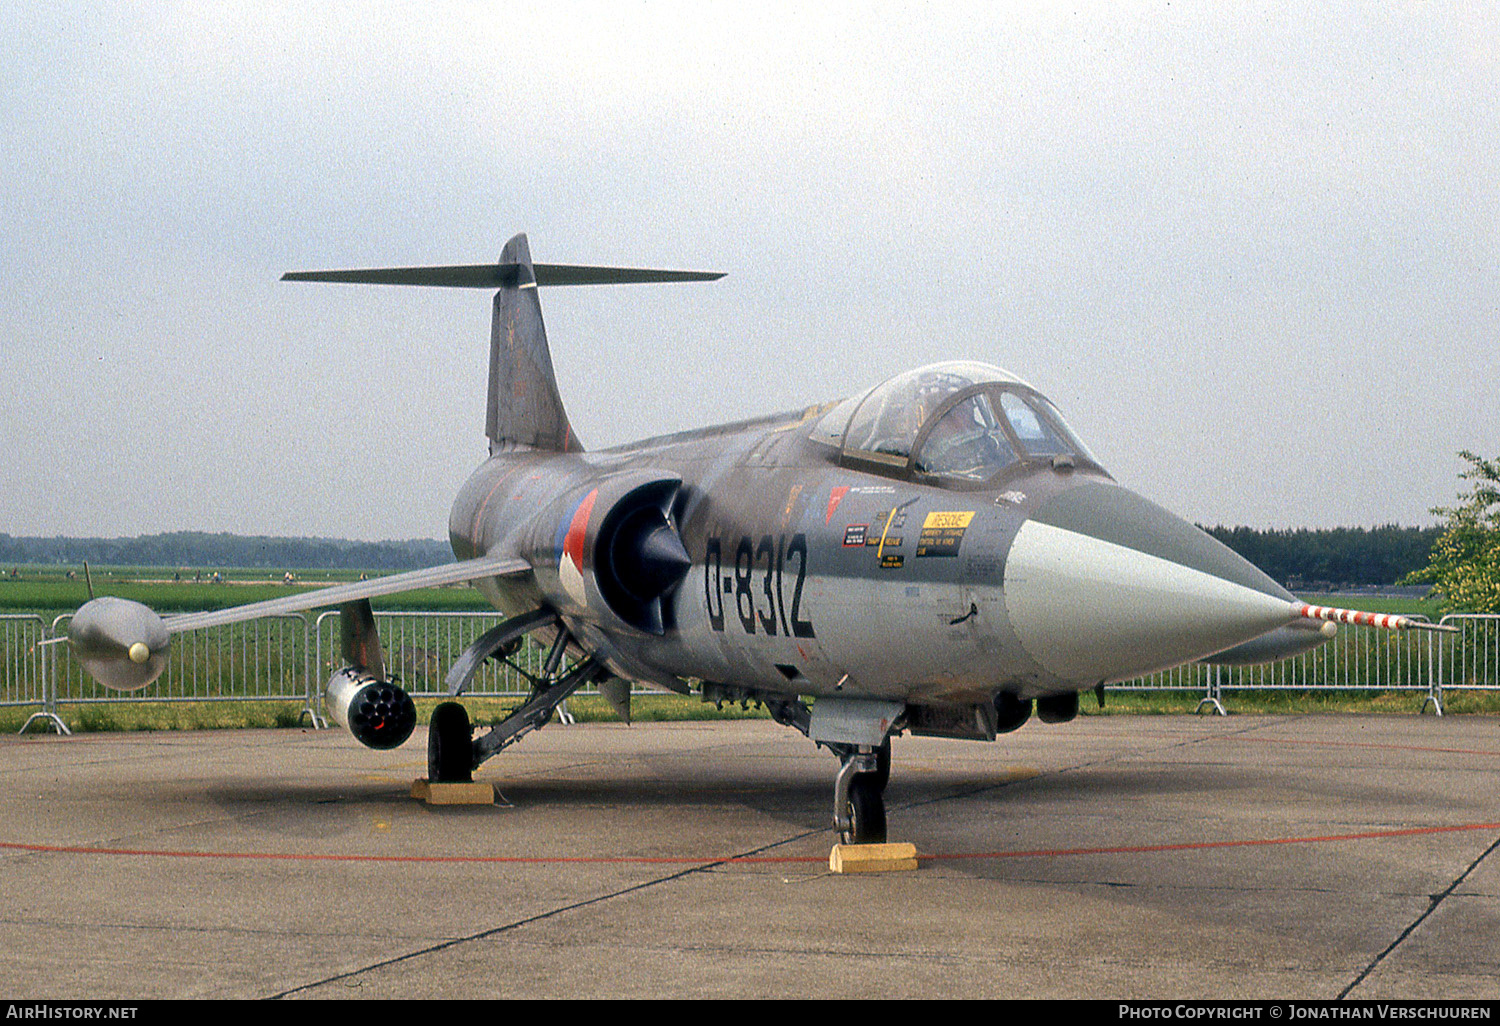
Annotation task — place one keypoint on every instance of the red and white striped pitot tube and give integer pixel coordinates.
(1385, 621)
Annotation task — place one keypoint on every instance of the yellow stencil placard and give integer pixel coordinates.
(946, 521)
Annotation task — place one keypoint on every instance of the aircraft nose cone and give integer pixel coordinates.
(1102, 585)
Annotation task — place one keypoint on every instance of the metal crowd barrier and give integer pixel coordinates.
(1357, 660)
(289, 658)
(26, 668)
(274, 659)
(1470, 660)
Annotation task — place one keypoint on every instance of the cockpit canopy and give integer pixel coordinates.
(957, 424)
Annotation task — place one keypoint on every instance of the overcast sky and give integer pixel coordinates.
(1249, 249)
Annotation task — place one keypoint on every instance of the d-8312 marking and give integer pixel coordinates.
(762, 603)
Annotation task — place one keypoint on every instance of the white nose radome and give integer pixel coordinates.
(1091, 611)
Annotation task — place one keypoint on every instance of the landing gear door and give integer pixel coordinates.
(853, 721)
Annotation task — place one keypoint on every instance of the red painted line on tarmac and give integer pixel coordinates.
(483, 859)
(1372, 835)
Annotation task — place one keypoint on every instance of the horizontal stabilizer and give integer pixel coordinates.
(523, 409)
(492, 276)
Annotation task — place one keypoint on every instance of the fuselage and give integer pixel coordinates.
(821, 568)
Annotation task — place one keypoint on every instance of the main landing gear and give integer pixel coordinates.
(452, 752)
(450, 745)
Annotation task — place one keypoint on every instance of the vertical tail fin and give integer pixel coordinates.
(524, 408)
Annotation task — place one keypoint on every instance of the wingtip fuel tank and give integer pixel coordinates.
(122, 644)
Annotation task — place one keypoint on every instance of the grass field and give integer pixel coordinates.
(236, 715)
(148, 716)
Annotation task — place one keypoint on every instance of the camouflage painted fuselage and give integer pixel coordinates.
(812, 577)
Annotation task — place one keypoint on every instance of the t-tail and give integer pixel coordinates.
(525, 410)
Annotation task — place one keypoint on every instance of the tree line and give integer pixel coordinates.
(1338, 556)
(187, 549)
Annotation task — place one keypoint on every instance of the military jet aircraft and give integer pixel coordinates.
(937, 555)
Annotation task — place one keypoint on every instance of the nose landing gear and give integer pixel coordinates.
(859, 794)
(859, 732)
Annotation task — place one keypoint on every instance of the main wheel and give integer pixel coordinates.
(882, 774)
(450, 745)
(866, 810)
(1057, 708)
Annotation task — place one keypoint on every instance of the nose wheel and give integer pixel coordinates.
(859, 795)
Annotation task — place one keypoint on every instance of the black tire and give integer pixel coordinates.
(882, 774)
(1057, 708)
(866, 810)
(450, 746)
(1011, 712)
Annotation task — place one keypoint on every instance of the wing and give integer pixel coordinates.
(123, 644)
(338, 594)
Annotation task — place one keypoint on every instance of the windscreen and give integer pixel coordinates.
(1037, 437)
(967, 443)
(986, 432)
(959, 422)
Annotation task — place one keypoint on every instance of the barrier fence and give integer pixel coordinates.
(289, 658)
(1357, 659)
